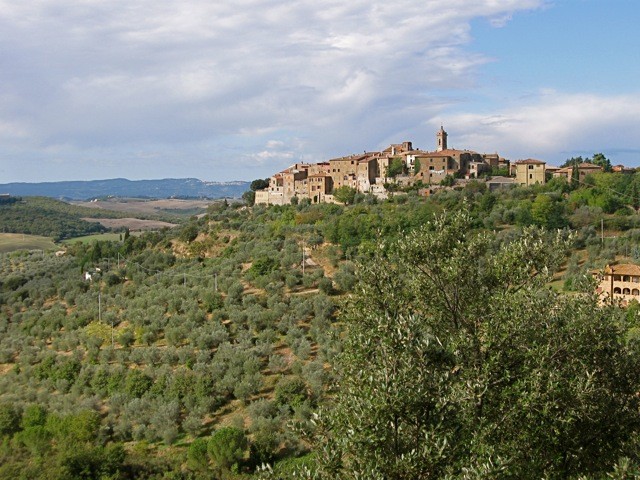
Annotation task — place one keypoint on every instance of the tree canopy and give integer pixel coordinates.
(459, 362)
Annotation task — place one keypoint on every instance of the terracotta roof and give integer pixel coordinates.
(623, 269)
(589, 165)
(530, 161)
(453, 151)
(582, 166)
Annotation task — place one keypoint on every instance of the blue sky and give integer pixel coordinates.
(238, 90)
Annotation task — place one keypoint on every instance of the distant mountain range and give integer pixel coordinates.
(121, 187)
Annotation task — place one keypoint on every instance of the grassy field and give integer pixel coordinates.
(184, 208)
(10, 242)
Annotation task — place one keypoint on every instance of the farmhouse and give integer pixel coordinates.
(619, 282)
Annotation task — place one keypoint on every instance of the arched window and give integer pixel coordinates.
(626, 291)
(616, 290)
(635, 291)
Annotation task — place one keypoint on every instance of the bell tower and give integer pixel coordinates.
(441, 138)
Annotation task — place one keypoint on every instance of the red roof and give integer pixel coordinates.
(530, 161)
(623, 269)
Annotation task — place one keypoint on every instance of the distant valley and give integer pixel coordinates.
(120, 187)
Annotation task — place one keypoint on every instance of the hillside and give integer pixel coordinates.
(120, 187)
(45, 217)
(61, 220)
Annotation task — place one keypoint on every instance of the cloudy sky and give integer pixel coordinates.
(236, 90)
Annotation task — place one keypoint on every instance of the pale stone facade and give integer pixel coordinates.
(619, 282)
(530, 171)
(369, 172)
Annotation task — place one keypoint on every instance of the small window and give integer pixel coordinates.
(530, 167)
(531, 175)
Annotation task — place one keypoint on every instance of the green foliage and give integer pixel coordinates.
(259, 184)
(291, 392)
(9, 419)
(249, 197)
(448, 181)
(227, 447)
(47, 217)
(137, 383)
(436, 381)
(189, 232)
(197, 454)
(201, 350)
(345, 194)
(34, 416)
(548, 212)
(263, 266)
(396, 167)
(602, 161)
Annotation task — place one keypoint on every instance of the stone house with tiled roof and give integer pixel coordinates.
(530, 171)
(619, 282)
(584, 169)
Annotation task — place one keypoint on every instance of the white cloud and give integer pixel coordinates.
(116, 74)
(552, 125)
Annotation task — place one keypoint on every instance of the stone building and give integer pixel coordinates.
(584, 169)
(619, 282)
(320, 187)
(530, 171)
(369, 172)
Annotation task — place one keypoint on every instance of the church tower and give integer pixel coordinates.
(441, 137)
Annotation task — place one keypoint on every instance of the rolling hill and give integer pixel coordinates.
(121, 187)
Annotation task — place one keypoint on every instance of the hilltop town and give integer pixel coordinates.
(401, 166)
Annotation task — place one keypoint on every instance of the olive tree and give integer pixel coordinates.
(461, 363)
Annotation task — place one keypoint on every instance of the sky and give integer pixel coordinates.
(225, 90)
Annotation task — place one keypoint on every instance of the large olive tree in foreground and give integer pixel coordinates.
(459, 362)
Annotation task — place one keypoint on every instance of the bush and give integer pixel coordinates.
(9, 419)
(325, 285)
(291, 391)
(227, 447)
(197, 454)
